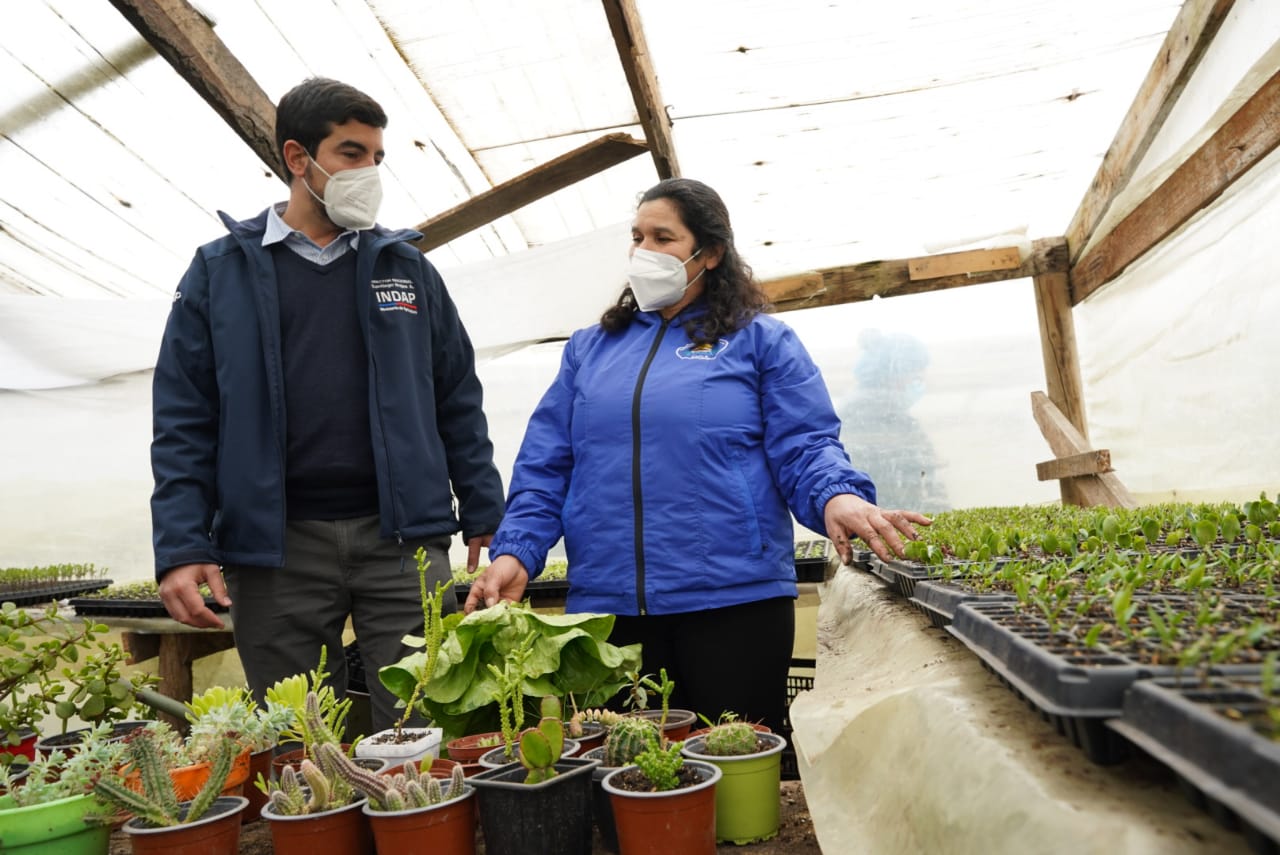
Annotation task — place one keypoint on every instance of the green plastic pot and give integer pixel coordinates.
(54, 828)
(749, 794)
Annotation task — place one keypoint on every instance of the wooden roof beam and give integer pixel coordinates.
(187, 41)
(502, 199)
(895, 278)
(628, 36)
(1248, 136)
(1184, 45)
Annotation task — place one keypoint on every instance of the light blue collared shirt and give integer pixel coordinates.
(278, 231)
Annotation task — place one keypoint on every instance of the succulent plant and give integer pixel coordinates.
(628, 738)
(403, 790)
(540, 746)
(158, 802)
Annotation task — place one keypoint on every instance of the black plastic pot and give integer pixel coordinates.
(536, 819)
(69, 742)
(601, 806)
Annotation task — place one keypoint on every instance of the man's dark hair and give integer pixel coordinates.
(732, 295)
(308, 112)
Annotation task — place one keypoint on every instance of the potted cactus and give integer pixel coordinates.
(315, 808)
(541, 804)
(411, 812)
(664, 803)
(401, 743)
(748, 796)
(627, 737)
(208, 824)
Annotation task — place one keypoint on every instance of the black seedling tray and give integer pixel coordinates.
(1226, 766)
(51, 592)
(538, 588)
(1074, 688)
(813, 568)
(939, 600)
(104, 607)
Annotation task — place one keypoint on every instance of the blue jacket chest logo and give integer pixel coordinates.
(395, 295)
(702, 351)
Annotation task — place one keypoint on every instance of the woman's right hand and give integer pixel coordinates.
(504, 579)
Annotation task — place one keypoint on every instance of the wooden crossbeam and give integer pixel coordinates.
(1243, 141)
(963, 263)
(1064, 440)
(628, 36)
(1192, 32)
(187, 41)
(500, 200)
(836, 285)
(1087, 463)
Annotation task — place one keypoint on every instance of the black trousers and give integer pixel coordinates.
(732, 659)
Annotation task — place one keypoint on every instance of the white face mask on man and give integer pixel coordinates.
(352, 197)
(659, 280)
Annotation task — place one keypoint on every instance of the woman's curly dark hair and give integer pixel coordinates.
(732, 295)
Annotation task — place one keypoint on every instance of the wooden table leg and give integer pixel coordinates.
(176, 651)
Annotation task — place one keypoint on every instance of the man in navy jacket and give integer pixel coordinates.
(317, 416)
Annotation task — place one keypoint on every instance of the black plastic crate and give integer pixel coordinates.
(799, 679)
(1202, 731)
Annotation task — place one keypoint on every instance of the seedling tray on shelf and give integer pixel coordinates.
(52, 591)
(903, 576)
(1073, 687)
(939, 600)
(555, 589)
(104, 607)
(1225, 764)
(812, 567)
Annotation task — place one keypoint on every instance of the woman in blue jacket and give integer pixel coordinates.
(679, 437)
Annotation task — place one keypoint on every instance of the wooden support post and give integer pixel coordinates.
(1061, 359)
(1103, 488)
(176, 651)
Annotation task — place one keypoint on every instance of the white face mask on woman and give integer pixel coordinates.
(352, 197)
(659, 280)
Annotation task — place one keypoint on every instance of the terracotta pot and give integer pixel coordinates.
(259, 764)
(295, 757)
(593, 734)
(469, 749)
(188, 780)
(215, 833)
(343, 829)
(675, 822)
(679, 722)
(448, 828)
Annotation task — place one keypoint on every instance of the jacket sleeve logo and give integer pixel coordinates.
(395, 295)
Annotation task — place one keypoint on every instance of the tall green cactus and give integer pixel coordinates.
(158, 802)
(629, 737)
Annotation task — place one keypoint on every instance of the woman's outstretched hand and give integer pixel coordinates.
(504, 579)
(847, 516)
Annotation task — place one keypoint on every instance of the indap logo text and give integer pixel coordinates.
(395, 295)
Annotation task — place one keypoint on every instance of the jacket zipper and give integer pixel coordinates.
(636, 492)
(367, 326)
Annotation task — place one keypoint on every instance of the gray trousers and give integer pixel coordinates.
(334, 569)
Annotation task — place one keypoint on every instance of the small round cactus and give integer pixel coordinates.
(630, 736)
(731, 739)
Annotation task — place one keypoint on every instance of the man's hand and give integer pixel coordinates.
(847, 515)
(473, 550)
(504, 579)
(180, 593)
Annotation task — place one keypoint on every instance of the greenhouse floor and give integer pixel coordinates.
(907, 745)
(795, 835)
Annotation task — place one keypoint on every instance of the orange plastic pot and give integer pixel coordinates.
(189, 780)
(444, 829)
(215, 833)
(343, 829)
